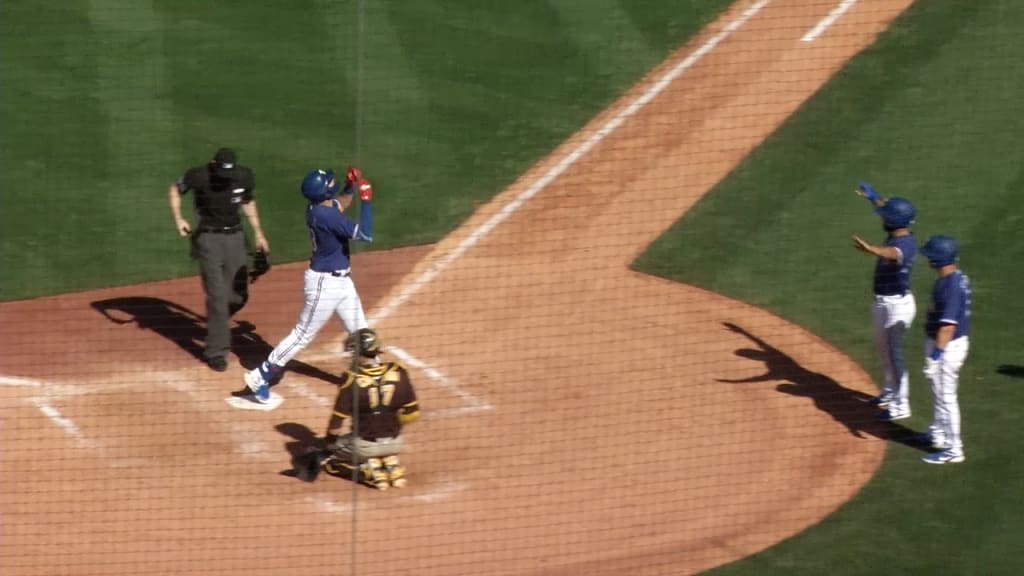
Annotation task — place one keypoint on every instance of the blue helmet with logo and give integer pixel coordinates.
(319, 185)
(897, 213)
(940, 251)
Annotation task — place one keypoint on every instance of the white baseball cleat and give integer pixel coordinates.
(259, 387)
(882, 400)
(895, 413)
(945, 457)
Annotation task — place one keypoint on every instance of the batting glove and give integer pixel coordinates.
(365, 190)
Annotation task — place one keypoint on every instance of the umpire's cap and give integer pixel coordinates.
(225, 158)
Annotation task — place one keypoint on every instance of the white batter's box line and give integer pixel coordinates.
(437, 492)
(49, 389)
(471, 401)
(62, 422)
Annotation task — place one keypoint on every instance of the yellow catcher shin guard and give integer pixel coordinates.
(375, 475)
(395, 470)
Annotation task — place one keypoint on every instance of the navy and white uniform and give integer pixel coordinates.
(951, 304)
(327, 284)
(892, 314)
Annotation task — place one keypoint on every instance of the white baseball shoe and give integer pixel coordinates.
(945, 457)
(932, 441)
(882, 400)
(259, 387)
(894, 413)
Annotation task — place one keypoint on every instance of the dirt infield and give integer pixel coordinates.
(580, 418)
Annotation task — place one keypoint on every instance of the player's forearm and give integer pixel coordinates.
(174, 200)
(253, 216)
(887, 252)
(944, 335)
(366, 221)
(334, 426)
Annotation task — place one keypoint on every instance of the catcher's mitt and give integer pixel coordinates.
(260, 265)
(307, 465)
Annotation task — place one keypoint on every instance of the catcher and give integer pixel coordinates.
(381, 402)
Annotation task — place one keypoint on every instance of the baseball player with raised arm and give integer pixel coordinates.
(327, 283)
(894, 307)
(946, 347)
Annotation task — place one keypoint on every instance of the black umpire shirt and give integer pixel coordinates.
(218, 194)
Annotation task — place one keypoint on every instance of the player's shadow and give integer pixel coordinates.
(1011, 370)
(187, 329)
(302, 441)
(846, 406)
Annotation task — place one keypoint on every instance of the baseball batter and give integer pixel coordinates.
(894, 307)
(946, 345)
(327, 285)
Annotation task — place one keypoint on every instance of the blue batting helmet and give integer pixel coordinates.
(940, 251)
(897, 212)
(319, 185)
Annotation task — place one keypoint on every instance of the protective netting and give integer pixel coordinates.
(610, 246)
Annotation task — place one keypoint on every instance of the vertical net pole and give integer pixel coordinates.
(360, 17)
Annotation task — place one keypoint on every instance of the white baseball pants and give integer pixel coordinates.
(944, 375)
(892, 316)
(324, 295)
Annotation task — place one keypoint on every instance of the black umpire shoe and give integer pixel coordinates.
(218, 363)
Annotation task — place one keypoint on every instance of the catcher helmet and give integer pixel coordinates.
(940, 251)
(897, 213)
(366, 339)
(319, 185)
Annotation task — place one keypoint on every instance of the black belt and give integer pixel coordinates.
(341, 273)
(220, 229)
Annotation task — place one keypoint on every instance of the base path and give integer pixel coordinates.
(580, 418)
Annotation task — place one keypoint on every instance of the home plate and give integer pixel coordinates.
(247, 403)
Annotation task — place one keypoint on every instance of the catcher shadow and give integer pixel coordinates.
(849, 408)
(187, 329)
(305, 451)
(303, 442)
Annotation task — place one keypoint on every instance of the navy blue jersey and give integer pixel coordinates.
(330, 232)
(951, 304)
(892, 277)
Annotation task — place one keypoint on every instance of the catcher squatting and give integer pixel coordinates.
(379, 400)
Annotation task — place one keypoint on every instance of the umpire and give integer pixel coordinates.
(219, 188)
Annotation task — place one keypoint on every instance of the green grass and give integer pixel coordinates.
(103, 104)
(930, 112)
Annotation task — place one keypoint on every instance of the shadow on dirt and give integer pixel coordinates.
(187, 329)
(846, 406)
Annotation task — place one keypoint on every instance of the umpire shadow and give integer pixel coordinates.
(846, 406)
(187, 329)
